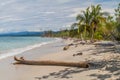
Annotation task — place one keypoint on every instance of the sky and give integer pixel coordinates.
(40, 15)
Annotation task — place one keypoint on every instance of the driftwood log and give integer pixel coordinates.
(51, 63)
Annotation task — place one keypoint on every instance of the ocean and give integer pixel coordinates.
(10, 46)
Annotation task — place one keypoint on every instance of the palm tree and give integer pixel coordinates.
(108, 28)
(80, 29)
(97, 18)
(90, 20)
(72, 31)
(117, 14)
(84, 21)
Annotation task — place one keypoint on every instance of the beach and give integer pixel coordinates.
(101, 60)
(60, 40)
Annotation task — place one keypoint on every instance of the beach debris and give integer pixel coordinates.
(66, 47)
(70, 44)
(39, 78)
(78, 54)
(105, 43)
(83, 42)
(82, 64)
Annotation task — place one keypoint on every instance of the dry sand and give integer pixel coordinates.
(104, 64)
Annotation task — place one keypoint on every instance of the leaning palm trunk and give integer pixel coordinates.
(85, 33)
(92, 35)
(52, 63)
(81, 37)
(93, 30)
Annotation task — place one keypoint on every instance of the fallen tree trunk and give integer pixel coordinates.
(52, 63)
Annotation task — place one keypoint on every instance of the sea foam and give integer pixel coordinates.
(17, 51)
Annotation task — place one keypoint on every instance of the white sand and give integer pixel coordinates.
(90, 53)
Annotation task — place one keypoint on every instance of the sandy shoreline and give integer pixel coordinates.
(90, 52)
(8, 71)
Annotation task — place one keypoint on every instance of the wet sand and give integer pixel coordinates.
(98, 55)
(8, 71)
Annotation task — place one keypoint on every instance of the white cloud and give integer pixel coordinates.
(9, 18)
(3, 3)
(1, 30)
(49, 12)
(34, 14)
(12, 19)
(111, 11)
(4, 17)
(76, 11)
(67, 25)
(34, 29)
(20, 9)
(63, 1)
(4, 30)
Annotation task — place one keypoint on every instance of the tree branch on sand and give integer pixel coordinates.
(51, 63)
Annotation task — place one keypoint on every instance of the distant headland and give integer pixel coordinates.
(22, 33)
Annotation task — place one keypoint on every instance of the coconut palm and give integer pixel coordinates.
(90, 20)
(84, 21)
(108, 28)
(117, 14)
(80, 29)
(97, 18)
(72, 31)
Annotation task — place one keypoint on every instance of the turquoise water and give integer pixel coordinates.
(14, 45)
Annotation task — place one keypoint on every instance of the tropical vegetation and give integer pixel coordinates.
(93, 23)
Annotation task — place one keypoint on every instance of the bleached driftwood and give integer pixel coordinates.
(51, 63)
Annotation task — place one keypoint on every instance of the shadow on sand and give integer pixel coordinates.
(112, 66)
(62, 74)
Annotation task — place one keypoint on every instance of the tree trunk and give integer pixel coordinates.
(92, 35)
(51, 63)
(85, 33)
(81, 37)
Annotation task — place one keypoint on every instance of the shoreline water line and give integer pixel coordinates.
(17, 51)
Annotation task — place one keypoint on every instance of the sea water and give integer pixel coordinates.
(10, 46)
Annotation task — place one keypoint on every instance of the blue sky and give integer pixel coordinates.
(39, 15)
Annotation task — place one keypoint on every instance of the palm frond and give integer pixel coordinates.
(79, 17)
(74, 25)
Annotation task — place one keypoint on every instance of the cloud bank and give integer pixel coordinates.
(37, 15)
